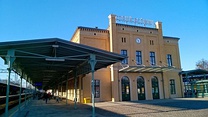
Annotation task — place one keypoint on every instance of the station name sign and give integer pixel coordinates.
(135, 21)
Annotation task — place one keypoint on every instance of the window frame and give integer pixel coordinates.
(124, 52)
(96, 88)
(172, 87)
(152, 58)
(169, 60)
(123, 39)
(139, 57)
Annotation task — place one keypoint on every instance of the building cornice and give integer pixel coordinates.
(93, 29)
(125, 25)
(168, 37)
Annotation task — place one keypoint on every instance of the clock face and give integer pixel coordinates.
(138, 40)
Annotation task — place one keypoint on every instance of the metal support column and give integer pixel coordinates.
(204, 86)
(53, 90)
(25, 90)
(67, 89)
(92, 62)
(10, 60)
(30, 89)
(75, 87)
(58, 91)
(20, 94)
(186, 86)
(192, 90)
(61, 90)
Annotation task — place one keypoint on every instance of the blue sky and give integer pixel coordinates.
(34, 19)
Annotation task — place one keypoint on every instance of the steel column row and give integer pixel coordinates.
(10, 58)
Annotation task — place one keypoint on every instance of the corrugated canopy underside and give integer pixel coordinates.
(47, 60)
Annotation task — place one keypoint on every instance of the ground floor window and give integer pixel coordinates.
(97, 89)
(172, 86)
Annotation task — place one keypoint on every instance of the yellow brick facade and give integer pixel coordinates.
(119, 37)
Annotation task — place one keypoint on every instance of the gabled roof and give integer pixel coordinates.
(48, 60)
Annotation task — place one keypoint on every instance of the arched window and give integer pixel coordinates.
(125, 84)
(155, 88)
(141, 88)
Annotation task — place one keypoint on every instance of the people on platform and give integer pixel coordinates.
(57, 99)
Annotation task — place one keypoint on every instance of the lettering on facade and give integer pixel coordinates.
(135, 21)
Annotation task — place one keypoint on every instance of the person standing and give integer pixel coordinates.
(46, 97)
(57, 99)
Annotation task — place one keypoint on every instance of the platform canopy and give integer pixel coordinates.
(195, 76)
(46, 61)
(193, 72)
(147, 69)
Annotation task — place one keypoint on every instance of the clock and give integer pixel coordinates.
(138, 40)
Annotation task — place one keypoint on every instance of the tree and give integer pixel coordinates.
(202, 64)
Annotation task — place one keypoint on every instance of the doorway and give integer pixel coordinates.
(155, 88)
(141, 88)
(125, 85)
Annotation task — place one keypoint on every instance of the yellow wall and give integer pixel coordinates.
(105, 84)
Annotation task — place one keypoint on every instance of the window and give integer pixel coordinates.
(152, 58)
(151, 42)
(172, 86)
(123, 40)
(169, 60)
(124, 52)
(97, 88)
(138, 57)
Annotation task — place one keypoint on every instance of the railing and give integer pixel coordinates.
(13, 101)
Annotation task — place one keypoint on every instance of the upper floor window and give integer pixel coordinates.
(123, 40)
(124, 52)
(151, 42)
(138, 57)
(169, 60)
(152, 58)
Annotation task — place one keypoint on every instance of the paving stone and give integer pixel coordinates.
(179, 107)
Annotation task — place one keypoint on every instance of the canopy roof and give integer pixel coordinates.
(47, 61)
(193, 72)
(146, 69)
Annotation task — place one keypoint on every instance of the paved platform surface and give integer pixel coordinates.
(179, 107)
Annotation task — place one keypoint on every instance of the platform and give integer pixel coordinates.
(179, 107)
(39, 108)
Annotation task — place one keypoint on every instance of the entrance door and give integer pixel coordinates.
(141, 88)
(155, 88)
(125, 89)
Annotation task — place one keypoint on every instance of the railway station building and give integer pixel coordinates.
(123, 62)
(151, 70)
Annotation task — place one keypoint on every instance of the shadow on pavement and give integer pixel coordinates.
(183, 103)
